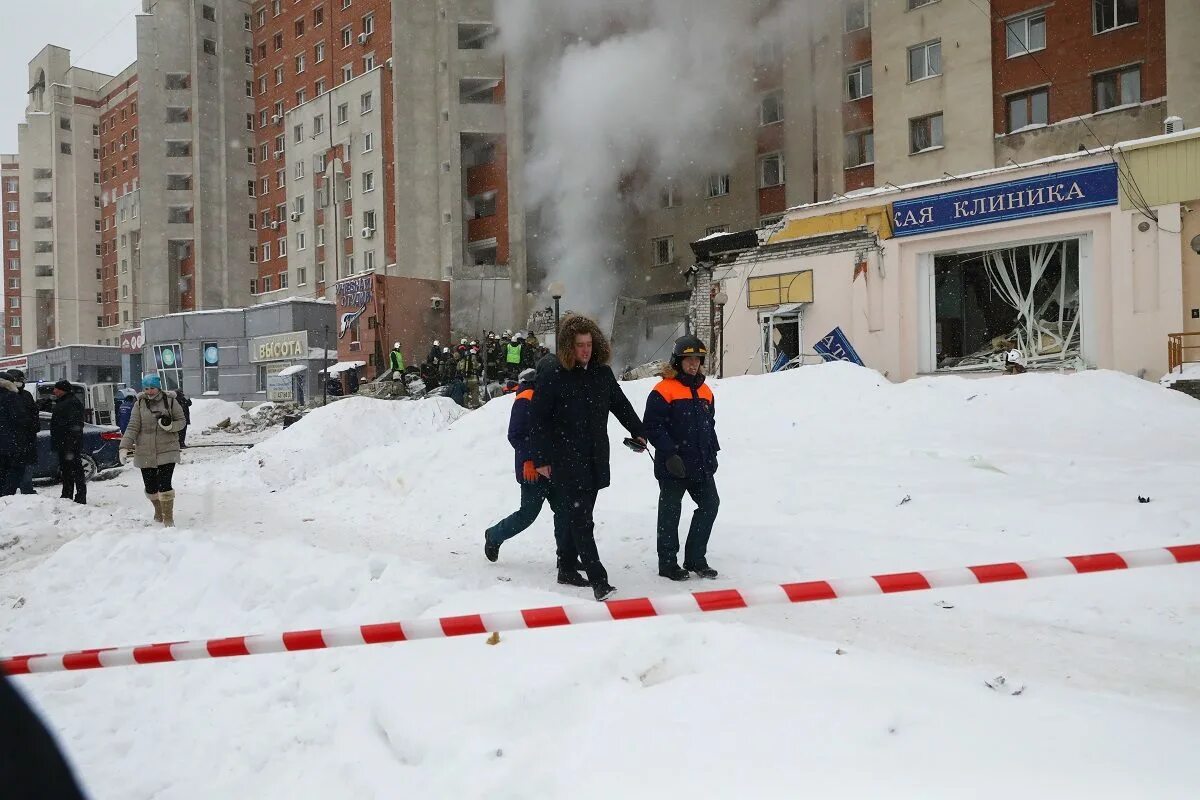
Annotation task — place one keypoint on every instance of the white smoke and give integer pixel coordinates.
(626, 96)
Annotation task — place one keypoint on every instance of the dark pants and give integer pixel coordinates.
(27, 480)
(533, 495)
(70, 469)
(670, 506)
(158, 479)
(14, 476)
(573, 515)
(182, 436)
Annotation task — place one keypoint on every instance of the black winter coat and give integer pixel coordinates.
(27, 448)
(570, 425)
(681, 420)
(66, 424)
(11, 421)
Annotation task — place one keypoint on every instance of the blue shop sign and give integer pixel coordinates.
(1090, 187)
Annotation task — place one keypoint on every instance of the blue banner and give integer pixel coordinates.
(836, 347)
(1090, 187)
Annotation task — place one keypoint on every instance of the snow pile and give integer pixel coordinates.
(368, 511)
(208, 413)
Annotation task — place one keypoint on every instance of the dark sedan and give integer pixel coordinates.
(100, 446)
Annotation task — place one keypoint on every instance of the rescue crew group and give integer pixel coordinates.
(559, 430)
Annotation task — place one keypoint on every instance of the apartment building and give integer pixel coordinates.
(101, 246)
(10, 224)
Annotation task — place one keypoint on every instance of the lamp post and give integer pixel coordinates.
(557, 290)
(721, 299)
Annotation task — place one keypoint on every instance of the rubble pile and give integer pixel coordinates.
(259, 418)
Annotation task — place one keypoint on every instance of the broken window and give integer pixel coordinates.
(1015, 298)
(781, 331)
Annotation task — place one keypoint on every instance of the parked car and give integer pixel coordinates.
(100, 446)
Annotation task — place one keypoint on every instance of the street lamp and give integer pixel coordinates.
(721, 299)
(557, 290)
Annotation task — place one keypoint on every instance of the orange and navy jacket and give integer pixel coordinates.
(680, 419)
(520, 427)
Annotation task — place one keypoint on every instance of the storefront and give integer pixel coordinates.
(267, 352)
(947, 277)
(132, 342)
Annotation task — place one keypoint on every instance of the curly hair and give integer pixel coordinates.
(570, 327)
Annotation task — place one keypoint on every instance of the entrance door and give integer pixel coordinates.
(782, 337)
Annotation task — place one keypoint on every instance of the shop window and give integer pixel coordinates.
(211, 354)
(1015, 298)
(168, 358)
(1120, 87)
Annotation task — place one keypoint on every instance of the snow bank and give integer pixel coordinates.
(207, 413)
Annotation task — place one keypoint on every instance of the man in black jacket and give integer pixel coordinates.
(66, 437)
(570, 438)
(25, 452)
(11, 433)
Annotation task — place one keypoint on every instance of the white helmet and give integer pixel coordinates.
(436, 343)
(396, 346)
(1014, 357)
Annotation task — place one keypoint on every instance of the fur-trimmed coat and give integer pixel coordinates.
(153, 443)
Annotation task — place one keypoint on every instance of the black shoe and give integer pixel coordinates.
(603, 591)
(491, 550)
(673, 572)
(82, 500)
(569, 577)
(702, 569)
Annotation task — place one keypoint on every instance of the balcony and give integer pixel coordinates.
(483, 178)
(483, 228)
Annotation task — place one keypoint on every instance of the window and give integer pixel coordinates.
(1110, 14)
(318, 124)
(95, 179)
(250, 189)
(718, 185)
(320, 272)
(367, 102)
(253, 225)
(369, 260)
(266, 256)
(301, 276)
(266, 219)
(350, 271)
(1118, 88)
(857, 15)
(253, 254)
(343, 114)
(300, 27)
(249, 122)
(210, 47)
(925, 133)
(770, 109)
(301, 97)
(249, 155)
(368, 62)
(368, 181)
(770, 171)
(300, 63)
(177, 114)
(264, 152)
(262, 18)
(664, 250)
(211, 354)
(64, 148)
(280, 178)
(1026, 34)
(368, 142)
(1028, 108)
(283, 279)
(859, 83)
(266, 284)
(298, 133)
(860, 149)
(279, 76)
(347, 36)
(300, 169)
(924, 61)
(246, 23)
(918, 3)
(179, 215)
(277, 41)
(253, 281)
(484, 205)
(300, 204)
(262, 118)
(249, 88)
(65, 123)
(318, 17)
(320, 87)
(177, 183)
(369, 24)
(249, 56)
(125, 292)
(345, 4)
(279, 145)
(276, 9)
(301, 241)
(347, 73)
(319, 52)
(349, 227)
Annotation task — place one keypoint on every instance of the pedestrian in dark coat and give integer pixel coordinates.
(31, 763)
(535, 489)
(570, 436)
(681, 424)
(11, 432)
(126, 408)
(66, 437)
(25, 455)
(186, 404)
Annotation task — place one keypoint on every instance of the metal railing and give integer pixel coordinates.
(1176, 349)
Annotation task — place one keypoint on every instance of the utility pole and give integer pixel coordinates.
(325, 367)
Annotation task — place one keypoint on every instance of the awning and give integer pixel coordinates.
(342, 366)
(294, 369)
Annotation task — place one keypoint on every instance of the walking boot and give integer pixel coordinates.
(570, 577)
(673, 572)
(157, 506)
(603, 591)
(702, 569)
(491, 550)
(81, 498)
(167, 500)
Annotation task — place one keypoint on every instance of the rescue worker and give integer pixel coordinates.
(435, 353)
(512, 357)
(396, 361)
(66, 437)
(153, 435)
(535, 489)
(681, 425)
(128, 398)
(570, 440)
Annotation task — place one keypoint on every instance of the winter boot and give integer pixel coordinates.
(157, 506)
(603, 591)
(673, 572)
(570, 577)
(167, 500)
(81, 498)
(491, 550)
(702, 569)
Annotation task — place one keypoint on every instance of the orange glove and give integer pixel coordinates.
(528, 472)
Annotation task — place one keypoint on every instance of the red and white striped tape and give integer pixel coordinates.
(609, 611)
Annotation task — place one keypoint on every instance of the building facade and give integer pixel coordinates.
(10, 240)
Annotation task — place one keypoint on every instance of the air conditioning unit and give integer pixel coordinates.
(276, 119)
(1173, 125)
(367, 233)
(436, 303)
(278, 153)
(388, 63)
(274, 226)
(295, 216)
(362, 38)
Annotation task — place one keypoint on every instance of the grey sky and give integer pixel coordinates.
(101, 35)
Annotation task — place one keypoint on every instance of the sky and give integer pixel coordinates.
(101, 35)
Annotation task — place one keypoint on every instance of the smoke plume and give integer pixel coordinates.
(625, 96)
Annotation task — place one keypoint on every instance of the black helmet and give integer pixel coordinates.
(686, 346)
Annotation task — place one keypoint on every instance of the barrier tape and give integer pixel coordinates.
(608, 611)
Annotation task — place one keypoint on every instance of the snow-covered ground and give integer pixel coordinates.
(208, 412)
(370, 511)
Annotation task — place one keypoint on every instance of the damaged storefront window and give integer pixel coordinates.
(1023, 297)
